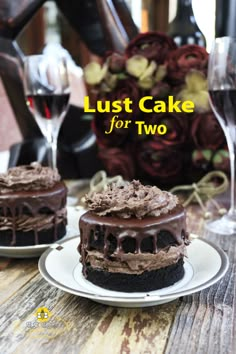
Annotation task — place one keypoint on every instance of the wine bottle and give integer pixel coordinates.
(116, 36)
(184, 29)
(104, 25)
(225, 18)
(126, 18)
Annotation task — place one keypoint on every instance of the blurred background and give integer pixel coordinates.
(76, 26)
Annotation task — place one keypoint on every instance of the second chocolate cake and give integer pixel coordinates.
(32, 206)
(133, 238)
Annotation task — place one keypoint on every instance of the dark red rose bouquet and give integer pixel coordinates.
(153, 66)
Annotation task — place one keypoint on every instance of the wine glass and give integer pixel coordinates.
(222, 90)
(47, 92)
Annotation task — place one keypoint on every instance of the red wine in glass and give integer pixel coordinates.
(224, 102)
(48, 106)
(47, 92)
(222, 92)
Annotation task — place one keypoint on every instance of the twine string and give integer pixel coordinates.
(205, 189)
(100, 181)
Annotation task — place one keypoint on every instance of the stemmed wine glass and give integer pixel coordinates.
(47, 92)
(222, 90)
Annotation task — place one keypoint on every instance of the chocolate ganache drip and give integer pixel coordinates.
(131, 228)
(31, 198)
(131, 200)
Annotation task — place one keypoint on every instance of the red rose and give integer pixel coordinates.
(102, 121)
(118, 162)
(127, 88)
(116, 63)
(184, 59)
(160, 90)
(151, 45)
(165, 165)
(177, 129)
(206, 131)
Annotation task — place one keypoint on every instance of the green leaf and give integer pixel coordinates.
(121, 76)
(207, 154)
(224, 153)
(218, 158)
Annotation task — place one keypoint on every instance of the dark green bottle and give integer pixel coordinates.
(184, 29)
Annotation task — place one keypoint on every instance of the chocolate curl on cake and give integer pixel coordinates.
(30, 177)
(131, 199)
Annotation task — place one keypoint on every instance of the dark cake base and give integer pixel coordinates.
(28, 238)
(147, 281)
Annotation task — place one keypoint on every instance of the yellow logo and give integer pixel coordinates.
(43, 324)
(43, 314)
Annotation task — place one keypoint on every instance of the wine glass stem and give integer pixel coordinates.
(231, 147)
(232, 171)
(54, 152)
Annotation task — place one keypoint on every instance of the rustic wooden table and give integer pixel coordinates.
(199, 323)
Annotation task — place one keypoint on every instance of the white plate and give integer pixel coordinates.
(60, 266)
(73, 215)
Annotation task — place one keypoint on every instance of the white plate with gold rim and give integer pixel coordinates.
(60, 267)
(73, 215)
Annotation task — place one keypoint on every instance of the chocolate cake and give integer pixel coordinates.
(133, 238)
(32, 206)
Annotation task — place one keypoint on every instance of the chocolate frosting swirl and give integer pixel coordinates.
(131, 200)
(30, 177)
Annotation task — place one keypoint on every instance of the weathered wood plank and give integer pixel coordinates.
(15, 273)
(204, 322)
(74, 319)
(132, 330)
(90, 327)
